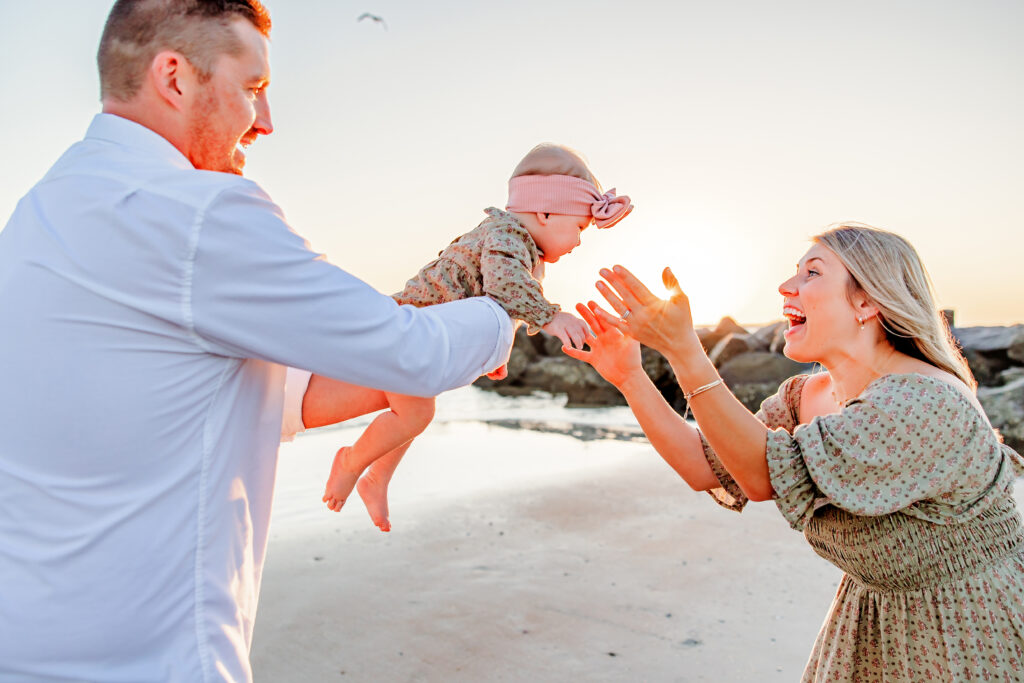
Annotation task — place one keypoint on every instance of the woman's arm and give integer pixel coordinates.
(734, 433)
(617, 358)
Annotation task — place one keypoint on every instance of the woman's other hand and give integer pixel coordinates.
(666, 326)
(615, 356)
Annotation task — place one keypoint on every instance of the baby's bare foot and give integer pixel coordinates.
(374, 493)
(340, 482)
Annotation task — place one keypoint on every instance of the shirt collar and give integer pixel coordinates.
(122, 131)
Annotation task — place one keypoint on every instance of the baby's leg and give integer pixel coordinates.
(373, 485)
(407, 417)
(329, 401)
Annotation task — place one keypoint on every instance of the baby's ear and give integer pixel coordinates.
(542, 218)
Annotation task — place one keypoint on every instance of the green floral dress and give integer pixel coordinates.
(909, 491)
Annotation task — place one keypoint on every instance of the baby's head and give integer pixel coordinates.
(555, 196)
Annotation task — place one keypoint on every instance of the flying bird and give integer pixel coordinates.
(373, 17)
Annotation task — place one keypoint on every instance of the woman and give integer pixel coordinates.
(886, 462)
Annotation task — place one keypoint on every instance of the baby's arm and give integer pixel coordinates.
(569, 329)
(506, 266)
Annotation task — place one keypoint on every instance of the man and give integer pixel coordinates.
(149, 297)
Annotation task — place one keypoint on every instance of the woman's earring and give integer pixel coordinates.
(861, 321)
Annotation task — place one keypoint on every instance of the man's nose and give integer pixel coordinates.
(263, 124)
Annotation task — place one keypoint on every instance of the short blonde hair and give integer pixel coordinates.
(137, 30)
(551, 159)
(888, 270)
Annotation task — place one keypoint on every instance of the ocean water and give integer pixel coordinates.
(479, 443)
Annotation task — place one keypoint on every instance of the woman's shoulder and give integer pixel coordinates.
(921, 382)
(928, 386)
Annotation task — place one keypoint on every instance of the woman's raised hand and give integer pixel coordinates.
(615, 356)
(666, 326)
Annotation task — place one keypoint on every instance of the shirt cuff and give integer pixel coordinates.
(729, 494)
(506, 335)
(295, 384)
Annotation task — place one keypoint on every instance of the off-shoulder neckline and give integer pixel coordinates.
(879, 380)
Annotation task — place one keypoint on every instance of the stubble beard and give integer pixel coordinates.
(211, 153)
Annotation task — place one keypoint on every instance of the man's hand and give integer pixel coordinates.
(572, 331)
(500, 372)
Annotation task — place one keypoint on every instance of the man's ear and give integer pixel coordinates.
(170, 73)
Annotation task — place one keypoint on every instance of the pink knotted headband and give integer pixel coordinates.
(566, 195)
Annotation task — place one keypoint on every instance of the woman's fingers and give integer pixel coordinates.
(578, 354)
(610, 296)
(622, 291)
(668, 278)
(636, 288)
(609, 320)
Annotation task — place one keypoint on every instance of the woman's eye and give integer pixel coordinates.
(812, 271)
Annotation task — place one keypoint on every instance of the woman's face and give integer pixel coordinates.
(817, 307)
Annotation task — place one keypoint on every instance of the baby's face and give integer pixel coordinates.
(560, 234)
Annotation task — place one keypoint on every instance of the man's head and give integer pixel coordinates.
(194, 71)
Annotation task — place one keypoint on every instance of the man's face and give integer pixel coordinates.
(232, 109)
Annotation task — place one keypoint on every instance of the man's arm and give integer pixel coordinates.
(256, 290)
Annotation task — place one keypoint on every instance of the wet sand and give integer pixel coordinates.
(525, 556)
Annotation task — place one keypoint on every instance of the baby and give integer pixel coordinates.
(553, 197)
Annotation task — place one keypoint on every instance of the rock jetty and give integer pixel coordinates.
(752, 365)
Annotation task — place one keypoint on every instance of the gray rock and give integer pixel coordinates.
(1005, 408)
(987, 365)
(548, 344)
(582, 384)
(751, 395)
(730, 346)
(729, 326)
(1011, 374)
(655, 365)
(760, 367)
(991, 350)
(761, 339)
(990, 339)
(1015, 352)
(708, 338)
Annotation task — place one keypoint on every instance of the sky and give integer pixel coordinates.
(739, 128)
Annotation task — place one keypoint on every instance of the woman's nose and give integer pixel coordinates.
(788, 288)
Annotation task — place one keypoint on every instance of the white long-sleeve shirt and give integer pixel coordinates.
(146, 310)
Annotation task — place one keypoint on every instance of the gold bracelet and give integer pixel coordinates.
(701, 390)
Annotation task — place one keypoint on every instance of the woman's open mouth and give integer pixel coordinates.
(795, 317)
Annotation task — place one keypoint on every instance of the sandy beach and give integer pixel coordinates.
(526, 556)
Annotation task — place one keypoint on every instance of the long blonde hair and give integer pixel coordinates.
(889, 271)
